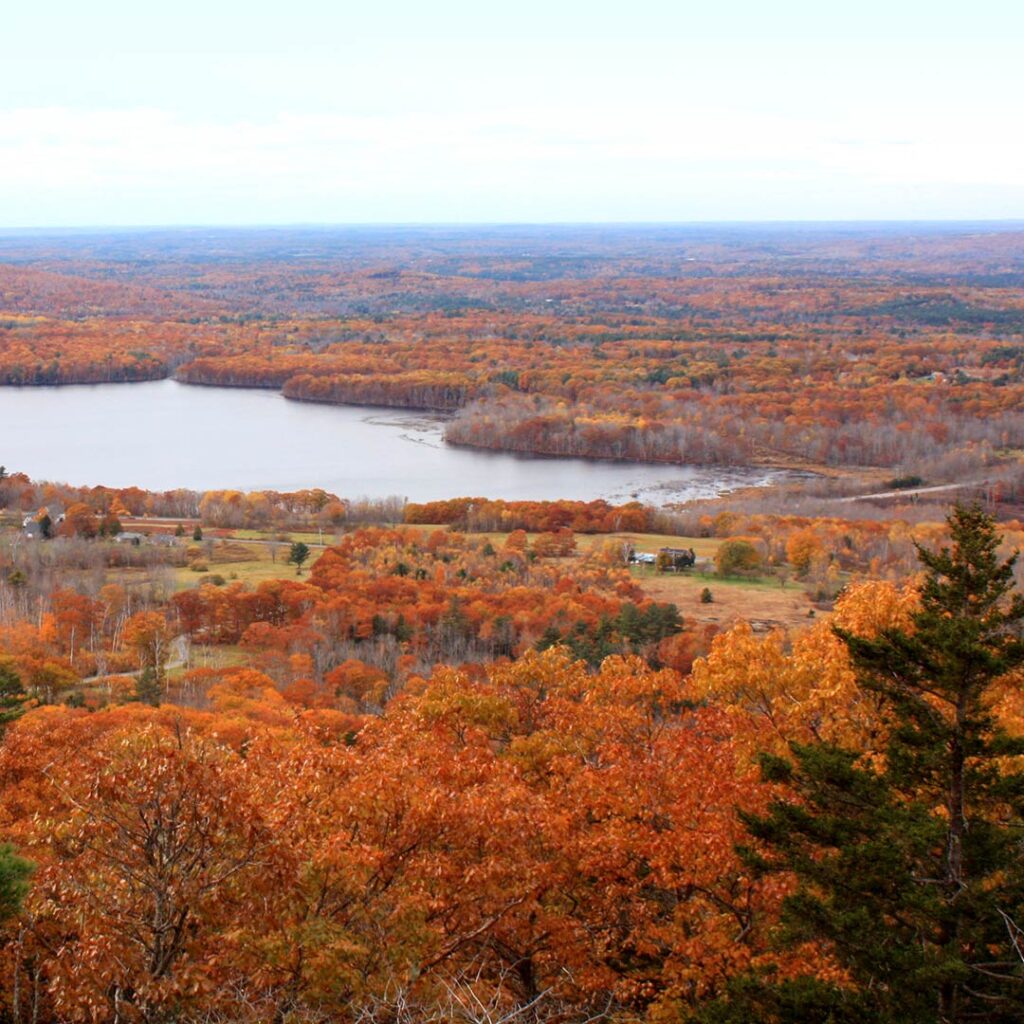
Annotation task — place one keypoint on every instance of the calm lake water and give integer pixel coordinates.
(163, 435)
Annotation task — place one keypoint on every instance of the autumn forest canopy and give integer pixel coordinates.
(309, 757)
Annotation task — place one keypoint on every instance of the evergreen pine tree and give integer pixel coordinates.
(148, 689)
(297, 555)
(910, 866)
(549, 638)
(12, 695)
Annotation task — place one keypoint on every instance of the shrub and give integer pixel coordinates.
(900, 483)
(738, 557)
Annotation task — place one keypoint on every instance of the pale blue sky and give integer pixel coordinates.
(234, 113)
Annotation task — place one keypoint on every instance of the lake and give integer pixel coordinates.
(163, 434)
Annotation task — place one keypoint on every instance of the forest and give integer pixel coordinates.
(304, 757)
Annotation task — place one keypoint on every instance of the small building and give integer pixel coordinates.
(676, 559)
(129, 538)
(33, 528)
(41, 525)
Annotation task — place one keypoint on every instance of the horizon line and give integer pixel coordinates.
(412, 224)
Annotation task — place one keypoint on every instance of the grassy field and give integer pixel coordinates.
(763, 602)
(252, 572)
(247, 563)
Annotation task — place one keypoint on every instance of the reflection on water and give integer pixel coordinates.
(162, 435)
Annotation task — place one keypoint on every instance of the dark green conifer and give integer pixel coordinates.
(148, 689)
(911, 871)
(12, 694)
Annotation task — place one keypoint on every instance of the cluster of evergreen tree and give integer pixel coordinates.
(629, 632)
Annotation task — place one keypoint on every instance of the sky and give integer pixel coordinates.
(443, 111)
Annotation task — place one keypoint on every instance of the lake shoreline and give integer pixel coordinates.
(782, 465)
(166, 435)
